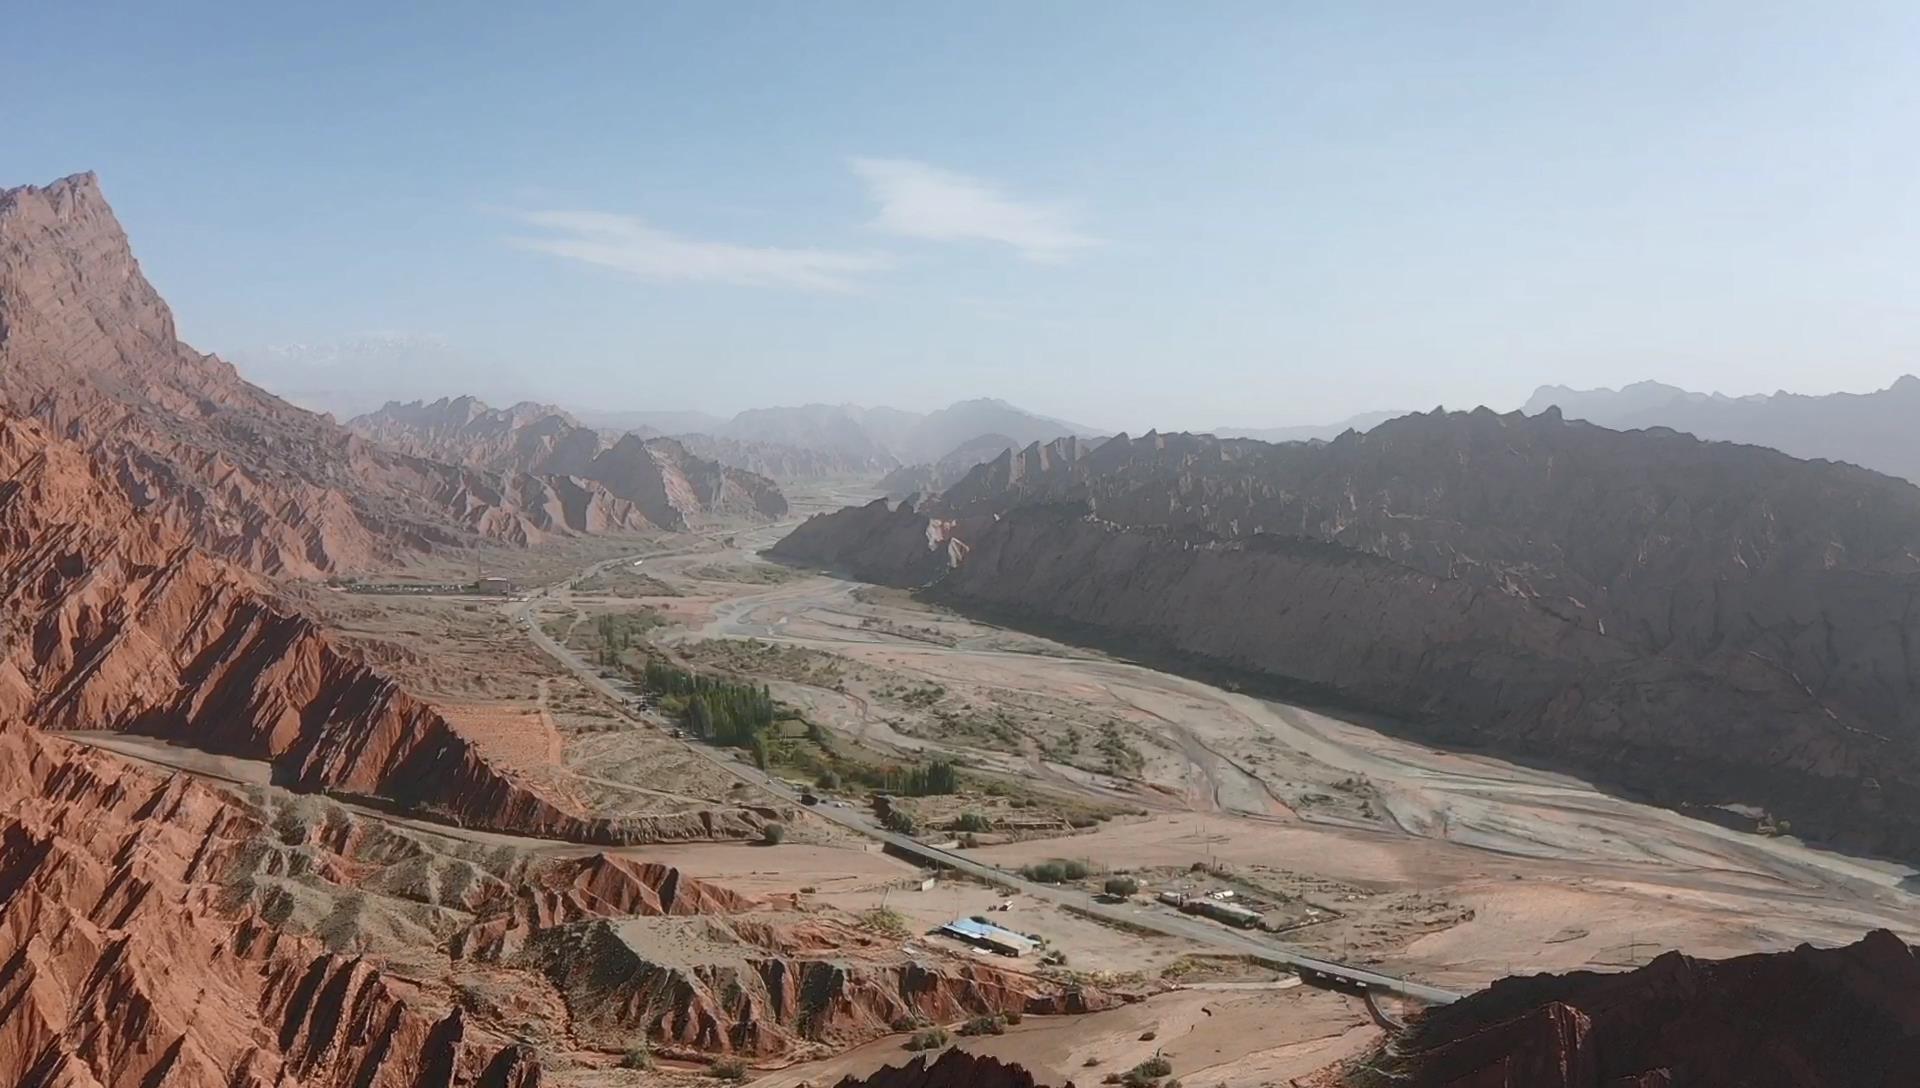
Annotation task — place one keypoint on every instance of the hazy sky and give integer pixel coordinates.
(1130, 215)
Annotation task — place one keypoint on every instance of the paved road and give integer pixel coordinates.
(1158, 921)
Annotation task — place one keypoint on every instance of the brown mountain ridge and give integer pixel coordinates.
(1701, 622)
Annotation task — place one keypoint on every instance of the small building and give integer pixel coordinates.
(495, 587)
(989, 936)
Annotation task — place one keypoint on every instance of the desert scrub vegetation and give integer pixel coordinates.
(885, 921)
(929, 1039)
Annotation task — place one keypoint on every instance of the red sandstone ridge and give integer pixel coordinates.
(88, 347)
(113, 621)
(1810, 1018)
(952, 1069)
(119, 967)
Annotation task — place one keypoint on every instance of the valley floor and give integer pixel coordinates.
(1449, 868)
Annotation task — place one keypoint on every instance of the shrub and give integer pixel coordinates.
(637, 1057)
(929, 1039)
(1155, 1067)
(828, 780)
(773, 834)
(972, 821)
(898, 822)
(1045, 872)
(1122, 886)
(734, 1069)
(1056, 871)
(886, 921)
(984, 1025)
(1012, 1016)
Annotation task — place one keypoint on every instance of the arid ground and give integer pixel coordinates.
(1449, 868)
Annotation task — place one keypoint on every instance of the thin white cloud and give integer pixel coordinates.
(630, 244)
(921, 201)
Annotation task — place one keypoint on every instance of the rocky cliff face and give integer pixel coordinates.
(124, 967)
(667, 484)
(88, 348)
(1810, 1018)
(1704, 622)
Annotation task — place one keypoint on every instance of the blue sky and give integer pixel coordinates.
(1132, 215)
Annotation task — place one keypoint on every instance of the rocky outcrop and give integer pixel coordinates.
(677, 489)
(121, 967)
(668, 485)
(600, 886)
(1702, 622)
(1809, 1018)
(951, 1069)
(89, 348)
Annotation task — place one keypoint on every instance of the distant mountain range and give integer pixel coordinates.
(892, 436)
(672, 486)
(817, 441)
(1322, 432)
(1873, 430)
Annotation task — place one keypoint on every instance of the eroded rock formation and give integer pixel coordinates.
(670, 486)
(1809, 1018)
(1702, 622)
(88, 347)
(768, 982)
(121, 965)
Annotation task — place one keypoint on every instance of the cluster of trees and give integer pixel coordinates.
(921, 780)
(1057, 871)
(715, 709)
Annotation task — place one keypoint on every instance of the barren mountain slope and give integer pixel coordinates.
(673, 488)
(1706, 623)
(88, 347)
(113, 620)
